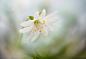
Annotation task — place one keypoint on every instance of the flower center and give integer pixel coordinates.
(36, 21)
(41, 25)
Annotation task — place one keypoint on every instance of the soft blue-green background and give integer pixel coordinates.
(66, 41)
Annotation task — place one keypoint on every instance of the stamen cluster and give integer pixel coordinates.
(39, 25)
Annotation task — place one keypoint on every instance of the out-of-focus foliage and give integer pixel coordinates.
(67, 41)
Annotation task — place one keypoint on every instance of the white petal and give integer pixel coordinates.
(24, 30)
(35, 36)
(36, 15)
(49, 16)
(27, 23)
(49, 28)
(43, 13)
(31, 35)
(52, 20)
(44, 32)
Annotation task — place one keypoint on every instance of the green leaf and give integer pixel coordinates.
(40, 12)
(22, 27)
(31, 17)
(27, 19)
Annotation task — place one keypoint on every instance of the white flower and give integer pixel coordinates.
(39, 25)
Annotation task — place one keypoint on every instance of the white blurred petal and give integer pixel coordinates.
(27, 29)
(50, 16)
(27, 23)
(43, 13)
(31, 35)
(36, 15)
(52, 20)
(44, 32)
(49, 28)
(35, 36)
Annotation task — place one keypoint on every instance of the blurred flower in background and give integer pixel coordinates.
(67, 41)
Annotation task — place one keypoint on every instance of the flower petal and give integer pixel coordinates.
(49, 28)
(27, 23)
(35, 36)
(44, 32)
(31, 35)
(43, 14)
(52, 20)
(36, 15)
(49, 16)
(24, 30)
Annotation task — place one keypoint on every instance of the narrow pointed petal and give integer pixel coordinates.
(43, 13)
(35, 36)
(49, 28)
(31, 35)
(44, 32)
(24, 30)
(27, 23)
(36, 15)
(50, 16)
(52, 20)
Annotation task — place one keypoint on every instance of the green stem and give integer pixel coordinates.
(20, 39)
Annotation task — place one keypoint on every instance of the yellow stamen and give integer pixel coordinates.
(43, 20)
(39, 22)
(40, 31)
(43, 23)
(46, 25)
(37, 28)
(42, 27)
(36, 25)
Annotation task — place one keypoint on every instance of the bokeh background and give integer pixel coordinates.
(67, 41)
